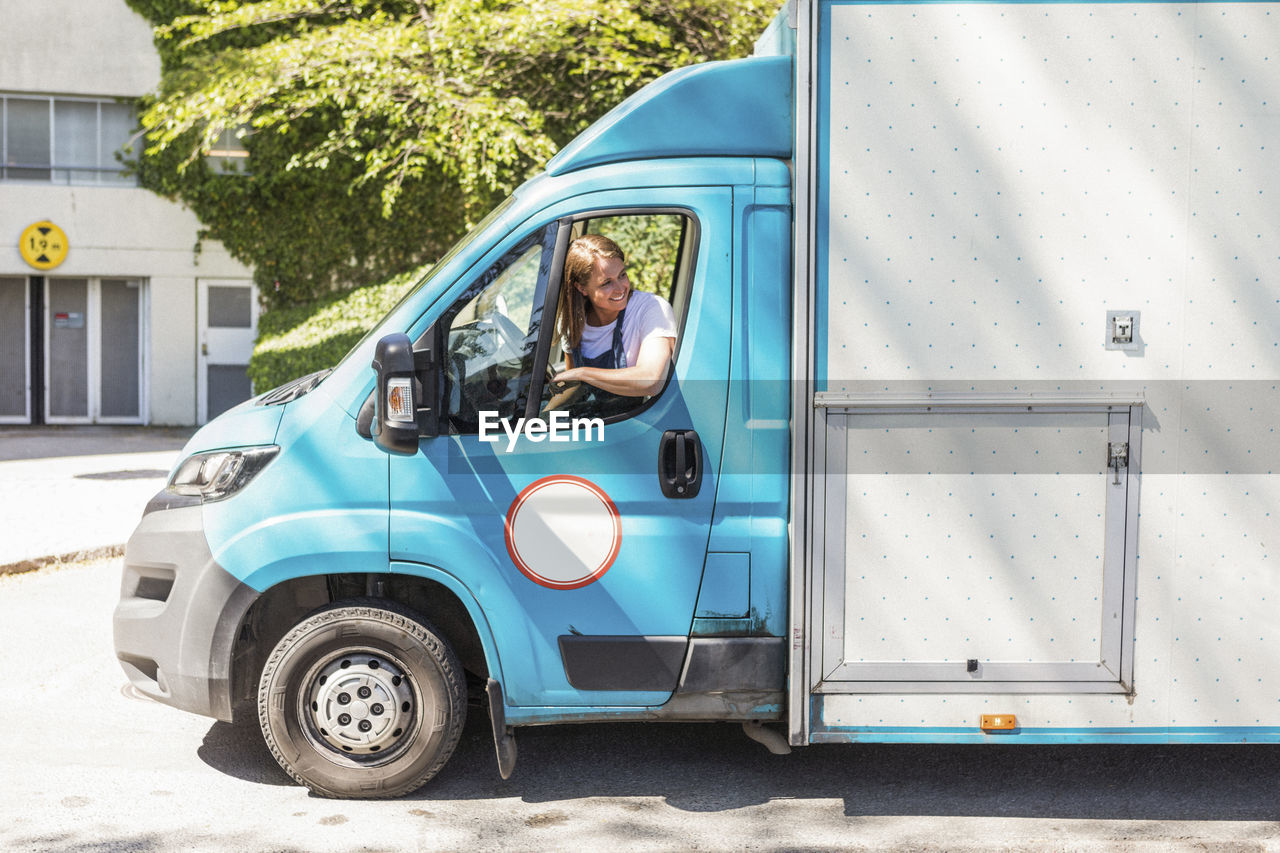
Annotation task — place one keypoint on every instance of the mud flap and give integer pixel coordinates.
(504, 741)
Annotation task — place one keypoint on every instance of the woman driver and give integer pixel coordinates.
(617, 339)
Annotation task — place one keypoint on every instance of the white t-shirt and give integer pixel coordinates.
(647, 316)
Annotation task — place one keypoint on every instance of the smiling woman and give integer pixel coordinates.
(615, 338)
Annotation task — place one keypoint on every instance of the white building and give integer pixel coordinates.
(125, 321)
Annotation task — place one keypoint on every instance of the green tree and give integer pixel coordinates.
(379, 130)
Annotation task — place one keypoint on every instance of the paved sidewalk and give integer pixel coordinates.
(71, 492)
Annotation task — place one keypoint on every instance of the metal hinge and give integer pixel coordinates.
(1117, 458)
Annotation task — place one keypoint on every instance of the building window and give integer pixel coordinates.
(228, 156)
(64, 140)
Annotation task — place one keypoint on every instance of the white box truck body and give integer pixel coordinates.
(1037, 353)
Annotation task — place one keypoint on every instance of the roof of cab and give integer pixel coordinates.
(740, 108)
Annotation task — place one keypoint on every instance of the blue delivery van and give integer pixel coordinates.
(954, 286)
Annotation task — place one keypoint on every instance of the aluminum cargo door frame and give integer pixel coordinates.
(976, 543)
(803, 315)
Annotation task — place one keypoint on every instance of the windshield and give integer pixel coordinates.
(436, 268)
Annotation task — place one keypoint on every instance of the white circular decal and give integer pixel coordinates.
(563, 532)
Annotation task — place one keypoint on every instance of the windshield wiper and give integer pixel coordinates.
(293, 390)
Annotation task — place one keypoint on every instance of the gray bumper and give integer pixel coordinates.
(179, 612)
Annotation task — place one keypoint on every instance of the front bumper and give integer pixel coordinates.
(179, 611)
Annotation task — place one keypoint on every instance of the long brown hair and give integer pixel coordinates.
(578, 263)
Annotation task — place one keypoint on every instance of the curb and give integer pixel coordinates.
(36, 563)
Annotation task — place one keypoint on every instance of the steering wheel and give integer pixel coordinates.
(565, 394)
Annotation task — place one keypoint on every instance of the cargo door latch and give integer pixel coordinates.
(1117, 458)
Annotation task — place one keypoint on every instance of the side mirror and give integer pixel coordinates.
(405, 408)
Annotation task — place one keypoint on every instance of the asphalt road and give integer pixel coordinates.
(88, 766)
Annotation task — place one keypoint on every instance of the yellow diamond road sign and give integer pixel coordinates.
(43, 245)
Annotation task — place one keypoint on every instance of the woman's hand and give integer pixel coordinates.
(573, 374)
(644, 379)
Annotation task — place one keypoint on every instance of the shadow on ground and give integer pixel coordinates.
(711, 767)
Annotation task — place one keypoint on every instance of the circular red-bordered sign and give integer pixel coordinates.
(563, 532)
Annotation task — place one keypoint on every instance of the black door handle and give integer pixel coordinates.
(680, 463)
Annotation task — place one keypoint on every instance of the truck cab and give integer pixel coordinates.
(351, 555)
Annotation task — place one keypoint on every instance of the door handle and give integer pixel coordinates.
(680, 464)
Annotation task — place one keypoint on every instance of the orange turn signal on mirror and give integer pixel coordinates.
(999, 722)
(400, 399)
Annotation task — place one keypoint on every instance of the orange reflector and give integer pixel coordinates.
(999, 722)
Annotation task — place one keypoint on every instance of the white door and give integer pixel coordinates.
(228, 324)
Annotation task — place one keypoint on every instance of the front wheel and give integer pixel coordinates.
(362, 700)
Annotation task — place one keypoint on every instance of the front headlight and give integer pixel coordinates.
(220, 473)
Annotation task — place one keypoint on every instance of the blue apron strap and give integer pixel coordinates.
(619, 353)
(615, 356)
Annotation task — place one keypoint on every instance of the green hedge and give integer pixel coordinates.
(293, 342)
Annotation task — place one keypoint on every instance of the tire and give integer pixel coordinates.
(362, 700)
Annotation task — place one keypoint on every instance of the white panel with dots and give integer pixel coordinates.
(998, 177)
(949, 560)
